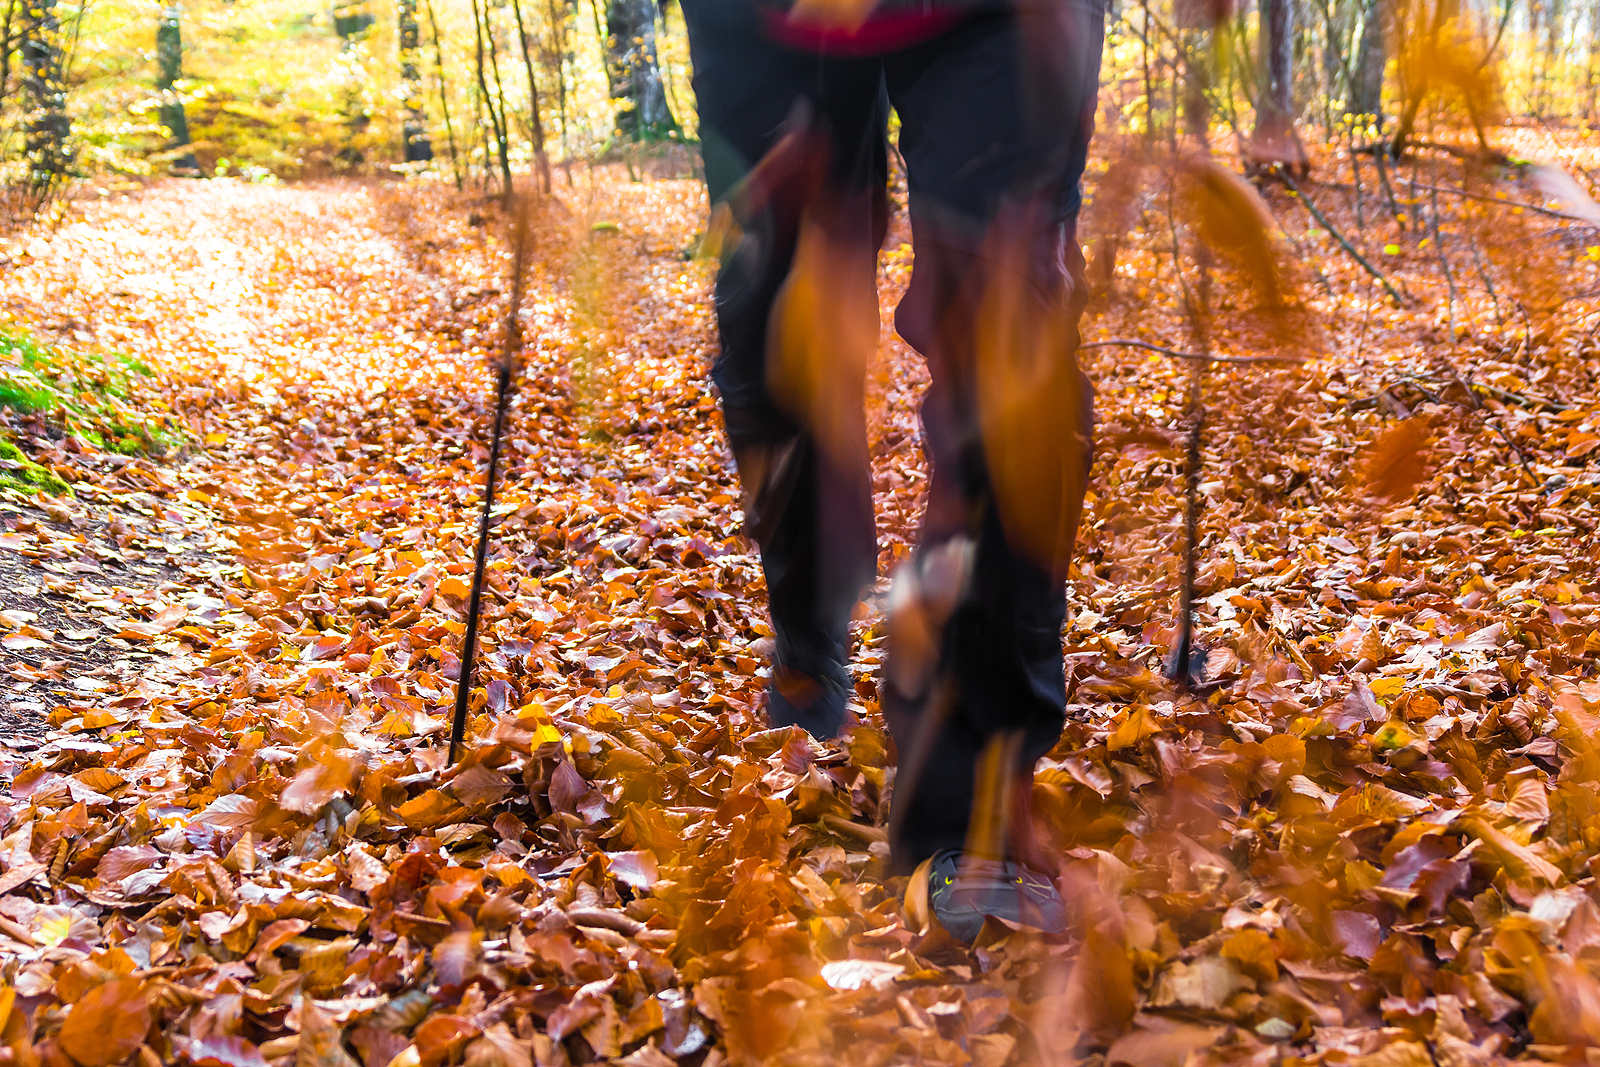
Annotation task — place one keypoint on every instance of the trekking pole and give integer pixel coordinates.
(1185, 664)
(1187, 659)
(508, 355)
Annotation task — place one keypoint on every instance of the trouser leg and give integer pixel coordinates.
(794, 144)
(995, 132)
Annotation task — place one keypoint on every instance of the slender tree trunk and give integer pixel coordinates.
(539, 152)
(1149, 78)
(482, 29)
(351, 23)
(1193, 48)
(480, 129)
(600, 35)
(635, 76)
(559, 56)
(46, 126)
(673, 104)
(414, 127)
(5, 51)
(504, 124)
(1367, 95)
(486, 175)
(444, 97)
(1277, 17)
(1588, 65)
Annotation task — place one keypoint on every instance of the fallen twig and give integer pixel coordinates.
(1415, 382)
(1520, 399)
(1503, 203)
(1469, 154)
(1322, 220)
(1130, 343)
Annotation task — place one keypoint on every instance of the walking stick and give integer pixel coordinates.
(508, 355)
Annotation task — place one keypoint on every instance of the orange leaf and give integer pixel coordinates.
(108, 1024)
(1393, 465)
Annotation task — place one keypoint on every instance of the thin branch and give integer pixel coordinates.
(1494, 46)
(1444, 263)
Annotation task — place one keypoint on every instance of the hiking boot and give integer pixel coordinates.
(817, 705)
(961, 891)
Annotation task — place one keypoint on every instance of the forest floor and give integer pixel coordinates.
(231, 836)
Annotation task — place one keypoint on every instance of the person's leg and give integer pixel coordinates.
(793, 144)
(996, 119)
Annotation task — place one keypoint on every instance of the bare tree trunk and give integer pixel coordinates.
(350, 21)
(1415, 86)
(600, 35)
(1367, 95)
(414, 127)
(169, 58)
(539, 152)
(352, 24)
(46, 126)
(634, 74)
(1274, 140)
(486, 175)
(444, 98)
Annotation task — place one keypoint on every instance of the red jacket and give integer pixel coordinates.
(866, 27)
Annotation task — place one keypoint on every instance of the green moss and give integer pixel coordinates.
(35, 376)
(138, 367)
(24, 396)
(89, 394)
(17, 471)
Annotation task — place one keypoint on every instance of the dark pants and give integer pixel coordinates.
(996, 116)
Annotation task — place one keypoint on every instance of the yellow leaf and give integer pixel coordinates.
(1520, 862)
(54, 928)
(1253, 950)
(1392, 735)
(1135, 728)
(1387, 688)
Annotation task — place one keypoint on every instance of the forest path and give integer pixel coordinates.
(330, 347)
(1387, 781)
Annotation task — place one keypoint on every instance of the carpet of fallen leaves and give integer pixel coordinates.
(1367, 840)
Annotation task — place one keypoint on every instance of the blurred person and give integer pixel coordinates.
(996, 103)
